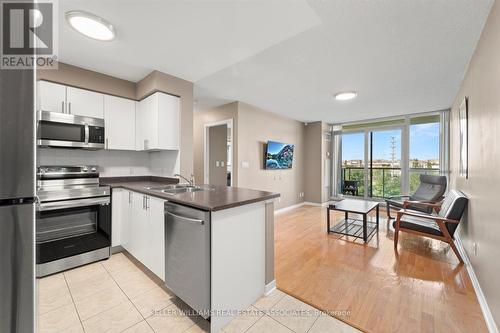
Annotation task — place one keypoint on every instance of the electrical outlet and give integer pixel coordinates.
(301, 194)
(474, 248)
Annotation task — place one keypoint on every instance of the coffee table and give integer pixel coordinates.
(349, 226)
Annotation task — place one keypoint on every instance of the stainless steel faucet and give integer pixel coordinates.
(190, 181)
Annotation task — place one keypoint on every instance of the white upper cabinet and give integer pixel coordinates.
(168, 121)
(157, 122)
(50, 97)
(119, 120)
(85, 103)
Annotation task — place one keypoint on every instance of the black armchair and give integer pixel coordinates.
(441, 226)
(430, 190)
(351, 187)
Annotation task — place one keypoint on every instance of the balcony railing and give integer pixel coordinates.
(383, 182)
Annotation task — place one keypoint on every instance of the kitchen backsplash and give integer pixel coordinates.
(114, 163)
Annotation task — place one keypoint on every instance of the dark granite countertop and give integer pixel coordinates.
(212, 199)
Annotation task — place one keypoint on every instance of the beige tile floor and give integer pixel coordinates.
(117, 296)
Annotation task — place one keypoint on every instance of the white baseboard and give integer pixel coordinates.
(282, 210)
(270, 287)
(488, 317)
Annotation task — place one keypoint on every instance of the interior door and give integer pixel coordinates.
(217, 155)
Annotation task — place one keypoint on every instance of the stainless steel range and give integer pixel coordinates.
(73, 218)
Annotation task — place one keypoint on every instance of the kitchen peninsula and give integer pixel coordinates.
(212, 245)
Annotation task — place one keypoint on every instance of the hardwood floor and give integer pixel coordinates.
(422, 288)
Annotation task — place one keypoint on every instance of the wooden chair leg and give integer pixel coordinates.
(388, 209)
(454, 248)
(450, 240)
(396, 231)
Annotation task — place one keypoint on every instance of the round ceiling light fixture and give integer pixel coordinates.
(346, 95)
(91, 25)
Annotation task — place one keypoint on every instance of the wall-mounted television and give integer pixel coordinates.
(279, 155)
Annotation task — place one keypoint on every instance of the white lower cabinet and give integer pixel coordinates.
(141, 229)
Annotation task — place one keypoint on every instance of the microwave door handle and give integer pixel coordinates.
(87, 134)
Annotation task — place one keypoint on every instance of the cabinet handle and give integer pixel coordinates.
(147, 203)
(129, 197)
(69, 107)
(143, 202)
(62, 107)
(107, 146)
(145, 144)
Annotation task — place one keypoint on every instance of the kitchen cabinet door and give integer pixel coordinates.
(155, 260)
(147, 123)
(119, 119)
(85, 103)
(50, 97)
(117, 213)
(138, 226)
(168, 121)
(124, 234)
(157, 126)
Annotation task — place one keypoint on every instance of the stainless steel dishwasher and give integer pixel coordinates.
(187, 255)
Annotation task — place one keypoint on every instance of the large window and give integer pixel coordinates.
(424, 148)
(384, 159)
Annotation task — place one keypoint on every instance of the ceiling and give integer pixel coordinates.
(290, 57)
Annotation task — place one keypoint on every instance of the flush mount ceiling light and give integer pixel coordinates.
(346, 95)
(91, 25)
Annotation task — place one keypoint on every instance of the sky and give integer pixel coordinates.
(424, 143)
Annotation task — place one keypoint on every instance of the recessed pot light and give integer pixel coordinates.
(91, 25)
(346, 95)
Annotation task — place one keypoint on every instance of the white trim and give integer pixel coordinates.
(270, 287)
(488, 317)
(229, 123)
(324, 204)
(285, 209)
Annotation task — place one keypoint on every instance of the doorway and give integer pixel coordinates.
(218, 153)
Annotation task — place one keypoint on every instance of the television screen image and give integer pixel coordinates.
(279, 155)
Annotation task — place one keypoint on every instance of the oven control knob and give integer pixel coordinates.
(93, 169)
(85, 170)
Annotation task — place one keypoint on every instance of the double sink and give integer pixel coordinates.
(177, 188)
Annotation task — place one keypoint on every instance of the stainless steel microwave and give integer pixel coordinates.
(56, 129)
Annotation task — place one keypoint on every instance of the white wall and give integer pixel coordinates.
(114, 163)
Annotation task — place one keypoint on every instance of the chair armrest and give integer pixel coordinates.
(403, 211)
(398, 197)
(434, 205)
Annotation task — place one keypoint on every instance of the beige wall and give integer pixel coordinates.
(482, 225)
(206, 116)
(313, 151)
(256, 127)
(156, 81)
(86, 79)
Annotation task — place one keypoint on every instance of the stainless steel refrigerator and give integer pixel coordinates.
(17, 197)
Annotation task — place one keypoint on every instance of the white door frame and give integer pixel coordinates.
(206, 152)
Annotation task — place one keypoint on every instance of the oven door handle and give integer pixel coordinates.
(87, 134)
(72, 203)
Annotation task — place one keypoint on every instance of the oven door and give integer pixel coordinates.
(71, 227)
